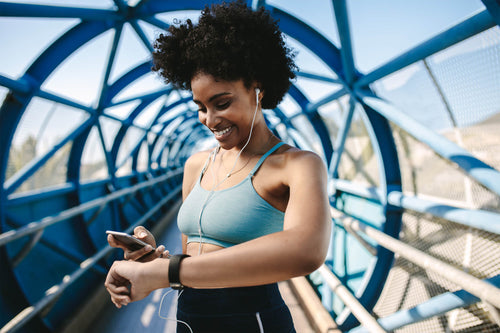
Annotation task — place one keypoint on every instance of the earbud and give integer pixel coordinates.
(257, 92)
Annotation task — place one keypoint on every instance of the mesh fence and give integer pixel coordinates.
(474, 251)
(460, 88)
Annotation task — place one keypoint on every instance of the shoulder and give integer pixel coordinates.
(303, 159)
(192, 169)
(298, 163)
(196, 161)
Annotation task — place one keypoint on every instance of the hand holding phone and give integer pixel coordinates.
(131, 242)
(134, 245)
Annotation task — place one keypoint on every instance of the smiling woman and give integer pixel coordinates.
(255, 209)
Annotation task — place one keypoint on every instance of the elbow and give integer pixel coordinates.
(310, 262)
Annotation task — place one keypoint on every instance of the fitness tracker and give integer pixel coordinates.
(173, 271)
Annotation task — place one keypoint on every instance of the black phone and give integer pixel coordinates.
(132, 243)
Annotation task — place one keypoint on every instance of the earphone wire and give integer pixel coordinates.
(215, 184)
(172, 319)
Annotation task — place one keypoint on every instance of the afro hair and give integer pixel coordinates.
(230, 42)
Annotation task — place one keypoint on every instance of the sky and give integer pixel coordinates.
(380, 30)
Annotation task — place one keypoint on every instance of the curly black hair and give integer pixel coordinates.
(230, 42)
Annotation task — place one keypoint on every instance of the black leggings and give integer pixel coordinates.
(247, 309)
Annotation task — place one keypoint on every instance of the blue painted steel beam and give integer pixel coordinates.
(315, 120)
(169, 107)
(146, 100)
(150, 96)
(327, 99)
(15, 181)
(64, 46)
(475, 218)
(340, 11)
(59, 248)
(377, 272)
(56, 291)
(318, 77)
(129, 77)
(107, 155)
(493, 7)
(468, 28)
(122, 6)
(370, 193)
(479, 219)
(29, 10)
(27, 198)
(109, 65)
(341, 139)
(64, 101)
(19, 85)
(142, 35)
(43, 223)
(433, 307)
(475, 168)
(310, 38)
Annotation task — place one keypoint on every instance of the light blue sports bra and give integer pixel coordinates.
(231, 216)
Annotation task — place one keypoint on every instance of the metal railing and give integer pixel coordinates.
(53, 293)
(474, 289)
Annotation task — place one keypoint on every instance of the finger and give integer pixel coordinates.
(160, 249)
(113, 242)
(139, 254)
(120, 300)
(145, 235)
(118, 290)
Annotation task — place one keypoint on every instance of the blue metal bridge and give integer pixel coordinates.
(91, 140)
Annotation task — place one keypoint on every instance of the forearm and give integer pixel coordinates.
(264, 260)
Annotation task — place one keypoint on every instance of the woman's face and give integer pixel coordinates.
(224, 107)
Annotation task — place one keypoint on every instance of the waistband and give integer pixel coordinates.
(230, 300)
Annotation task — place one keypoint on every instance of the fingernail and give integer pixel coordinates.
(143, 234)
(148, 248)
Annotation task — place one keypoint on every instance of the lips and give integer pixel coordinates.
(222, 133)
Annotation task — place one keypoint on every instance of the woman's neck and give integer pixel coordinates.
(261, 141)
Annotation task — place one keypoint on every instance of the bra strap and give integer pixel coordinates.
(210, 156)
(263, 158)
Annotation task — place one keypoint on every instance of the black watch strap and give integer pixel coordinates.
(174, 269)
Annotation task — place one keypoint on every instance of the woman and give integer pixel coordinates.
(255, 210)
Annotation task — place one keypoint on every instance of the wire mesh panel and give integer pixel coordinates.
(466, 80)
(472, 250)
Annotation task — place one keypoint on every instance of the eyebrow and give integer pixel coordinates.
(213, 97)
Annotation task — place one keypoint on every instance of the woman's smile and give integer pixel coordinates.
(223, 133)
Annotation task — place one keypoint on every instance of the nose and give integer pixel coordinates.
(211, 119)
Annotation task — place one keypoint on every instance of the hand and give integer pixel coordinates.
(130, 281)
(141, 255)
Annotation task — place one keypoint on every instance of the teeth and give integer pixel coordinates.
(224, 131)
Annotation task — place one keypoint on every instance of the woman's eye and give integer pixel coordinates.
(223, 106)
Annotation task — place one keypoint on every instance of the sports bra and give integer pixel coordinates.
(229, 216)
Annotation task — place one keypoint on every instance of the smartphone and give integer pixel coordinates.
(132, 243)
